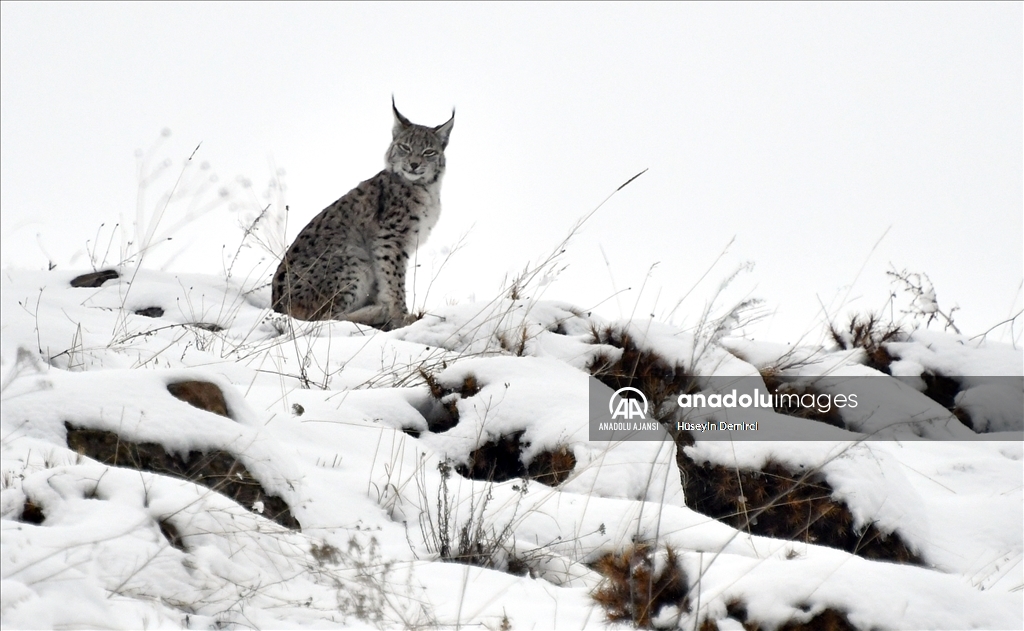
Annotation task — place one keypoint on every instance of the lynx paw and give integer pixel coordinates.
(378, 316)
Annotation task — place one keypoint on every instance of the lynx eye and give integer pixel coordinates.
(404, 148)
(430, 154)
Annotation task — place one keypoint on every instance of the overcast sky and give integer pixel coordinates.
(805, 131)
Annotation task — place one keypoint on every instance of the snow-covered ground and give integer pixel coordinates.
(341, 423)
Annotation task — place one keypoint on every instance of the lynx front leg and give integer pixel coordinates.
(390, 262)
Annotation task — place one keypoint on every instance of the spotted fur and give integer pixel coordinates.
(349, 262)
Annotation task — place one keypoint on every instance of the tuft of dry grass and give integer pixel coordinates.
(217, 470)
(553, 467)
(776, 385)
(476, 541)
(32, 513)
(325, 553)
(871, 334)
(446, 415)
(659, 380)
(501, 459)
(497, 460)
(826, 620)
(635, 589)
(943, 390)
(775, 502)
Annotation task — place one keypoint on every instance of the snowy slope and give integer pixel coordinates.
(371, 440)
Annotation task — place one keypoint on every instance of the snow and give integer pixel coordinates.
(319, 415)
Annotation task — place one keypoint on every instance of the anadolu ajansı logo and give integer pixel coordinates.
(627, 409)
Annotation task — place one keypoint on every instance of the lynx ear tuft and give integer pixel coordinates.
(444, 130)
(401, 122)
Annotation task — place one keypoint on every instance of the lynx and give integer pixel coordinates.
(349, 262)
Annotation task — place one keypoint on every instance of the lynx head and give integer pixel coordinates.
(417, 152)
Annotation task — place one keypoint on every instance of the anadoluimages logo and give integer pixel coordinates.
(627, 409)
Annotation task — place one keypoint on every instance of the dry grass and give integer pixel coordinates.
(775, 502)
(32, 513)
(217, 470)
(659, 380)
(501, 459)
(636, 589)
(776, 385)
(446, 412)
(553, 467)
(476, 541)
(826, 620)
(871, 334)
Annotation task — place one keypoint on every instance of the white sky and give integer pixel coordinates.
(805, 131)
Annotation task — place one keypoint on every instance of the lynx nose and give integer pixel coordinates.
(414, 165)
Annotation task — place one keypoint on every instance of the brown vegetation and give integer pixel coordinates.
(201, 394)
(634, 591)
(217, 470)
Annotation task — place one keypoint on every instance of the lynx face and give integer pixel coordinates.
(417, 152)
